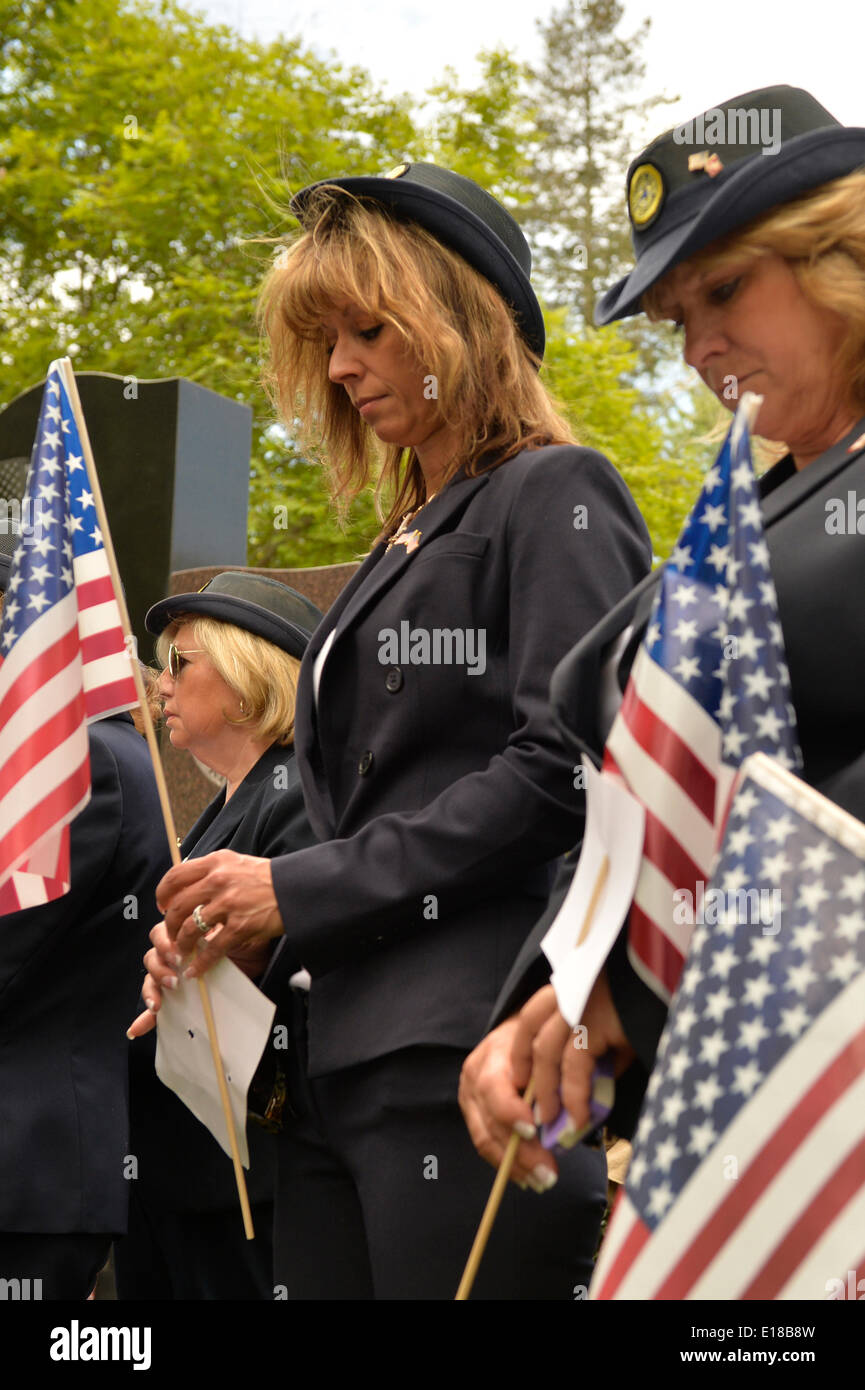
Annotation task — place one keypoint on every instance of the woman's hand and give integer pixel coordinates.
(162, 962)
(237, 901)
(493, 1108)
(563, 1059)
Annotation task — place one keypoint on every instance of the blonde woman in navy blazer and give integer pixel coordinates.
(432, 773)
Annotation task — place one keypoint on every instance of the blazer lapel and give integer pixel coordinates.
(438, 516)
(782, 499)
(356, 598)
(217, 824)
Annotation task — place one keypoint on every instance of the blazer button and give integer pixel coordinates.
(365, 764)
(394, 680)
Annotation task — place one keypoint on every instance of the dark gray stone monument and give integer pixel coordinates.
(173, 463)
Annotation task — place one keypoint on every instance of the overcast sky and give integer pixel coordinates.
(703, 54)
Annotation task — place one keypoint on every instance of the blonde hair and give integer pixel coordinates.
(150, 681)
(822, 237)
(458, 326)
(262, 675)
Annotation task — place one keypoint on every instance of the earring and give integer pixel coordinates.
(242, 708)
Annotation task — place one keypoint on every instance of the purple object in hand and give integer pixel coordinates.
(560, 1134)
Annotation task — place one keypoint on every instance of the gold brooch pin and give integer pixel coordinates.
(410, 539)
(704, 162)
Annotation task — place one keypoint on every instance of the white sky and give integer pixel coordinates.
(702, 53)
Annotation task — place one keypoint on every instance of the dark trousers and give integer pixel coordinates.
(380, 1192)
(193, 1255)
(56, 1266)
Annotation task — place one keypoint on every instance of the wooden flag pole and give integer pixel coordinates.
(494, 1201)
(491, 1210)
(150, 734)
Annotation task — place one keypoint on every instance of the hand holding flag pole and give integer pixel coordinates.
(506, 1166)
(68, 377)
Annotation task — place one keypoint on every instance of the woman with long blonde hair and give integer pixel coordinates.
(403, 326)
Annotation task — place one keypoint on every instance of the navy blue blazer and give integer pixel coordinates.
(70, 976)
(819, 577)
(435, 779)
(265, 817)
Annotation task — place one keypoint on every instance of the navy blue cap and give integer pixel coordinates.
(716, 173)
(461, 215)
(250, 601)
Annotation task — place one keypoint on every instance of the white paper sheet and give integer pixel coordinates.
(614, 827)
(184, 1062)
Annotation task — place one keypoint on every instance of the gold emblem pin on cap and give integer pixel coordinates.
(704, 162)
(398, 172)
(645, 195)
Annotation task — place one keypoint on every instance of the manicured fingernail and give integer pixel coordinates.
(189, 974)
(545, 1177)
(525, 1130)
(536, 1111)
(571, 1132)
(535, 1185)
(150, 1005)
(170, 982)
(130, 1035)
(178, 961)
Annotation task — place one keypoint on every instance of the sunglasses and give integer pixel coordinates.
(177, 659)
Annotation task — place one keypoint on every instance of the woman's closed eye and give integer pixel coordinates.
(720, 294)
(369, 335)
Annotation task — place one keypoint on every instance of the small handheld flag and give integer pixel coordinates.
(63, 660)
(709, 686)
(748, 1175)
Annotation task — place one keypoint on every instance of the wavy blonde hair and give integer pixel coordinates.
(457, 325)
(261, 674)
(822, 236)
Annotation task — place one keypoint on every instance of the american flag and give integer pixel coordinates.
(748, 1174)
(708, 687)
(63, 660)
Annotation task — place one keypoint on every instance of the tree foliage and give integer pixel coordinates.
(143, 151)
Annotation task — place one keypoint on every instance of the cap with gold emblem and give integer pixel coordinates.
(461, 215)
(721, 170)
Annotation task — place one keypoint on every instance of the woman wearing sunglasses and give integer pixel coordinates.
(231, 655)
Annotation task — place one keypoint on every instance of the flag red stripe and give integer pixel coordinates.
(663, 850)
(94, 591)
(663, 744)
(44, 817)
(763, 1167)
(38, 673)
(628, 1252)
(99, 644)
(41, 742)
(654, 949)
(9, 900)
(833, 1196)
(113, 696)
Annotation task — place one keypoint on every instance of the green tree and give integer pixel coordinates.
(591, 377)
(141, 148)
(486, 132)
(586, 116)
